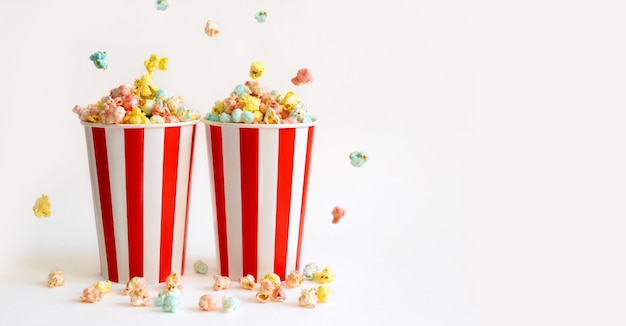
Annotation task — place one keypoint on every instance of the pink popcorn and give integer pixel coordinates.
(303, 76)
(294, 279)
(207, 302)
(134, 284)
(111, 113)
(221, 282)
(338, 214)
(55, 278)
(91, 295)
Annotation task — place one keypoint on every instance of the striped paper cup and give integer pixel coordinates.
(259, 177)
(141, 182)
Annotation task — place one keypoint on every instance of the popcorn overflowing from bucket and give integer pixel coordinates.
(140, 103)
(253, 103)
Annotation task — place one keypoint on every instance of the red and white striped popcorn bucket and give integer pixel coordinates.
(259, 178)
(141, 183)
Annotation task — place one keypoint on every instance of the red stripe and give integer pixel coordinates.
(106, 208)
(171, 144)
(249, 161)
(193, 140)
(220, 198)
(133, 154)
(286, 143)
(307, 163)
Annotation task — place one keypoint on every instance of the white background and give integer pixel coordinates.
(494, 193)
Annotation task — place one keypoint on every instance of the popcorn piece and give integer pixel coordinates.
(230, 303)
(279, 295)
(270, 288)
(161, 5)
(168, 300)
(211, 29)
(357, 159)
(103, 286)
(247, 282)
(266, 289)
(42, 207)
(310, 270)
(338, 214)
(135, 284)
(294, 279)
(263, 296)
(140, 297)
(99, 59)
(200, 267)
(273, 278)
(55, 278)
(171, 303)
(257, 69)
(221, 282)
(91, 295)
(207, 302)
(172, 282)
(308, 298)
(261, 16)
(327, 275)
(303, 76)
(324, 294)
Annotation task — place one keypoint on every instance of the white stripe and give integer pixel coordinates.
(209, 143)
(232, 192)
(297, 184)
(97, 208)
(182, 182)
(117, 179)
(152, 202)
(268, 187)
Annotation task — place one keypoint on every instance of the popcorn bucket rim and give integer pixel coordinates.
(259, 126)
(139, 126)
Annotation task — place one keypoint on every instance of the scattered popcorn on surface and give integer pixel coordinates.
(91, 295)
(308, 298)
(230, 303)
(338, 214)
(294, 279)
(310, 270)
(207, 302)
(303, 76)
(327, 275)
(103, 286)
(265, 291)
(99, 59)
(357, 159)
(172, 282)
(247, 282)
(168, 300)
(200, 267)
(55, 278)
(42, 207)
(324, 294)
(221, 282)
(211, 29)
(135, 284)
(261, 16)
(270, 289)
(140, 297)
